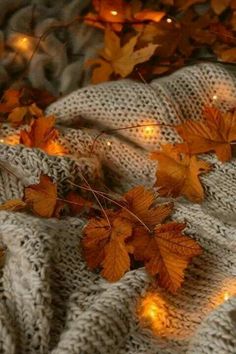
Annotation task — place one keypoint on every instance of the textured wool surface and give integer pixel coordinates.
(50, 301)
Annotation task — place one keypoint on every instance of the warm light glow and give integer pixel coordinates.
(1, 141)
(108, 143)
(225, 292)
(23, 43)
(152, 312)
(226, 296)
(55, 148)
(13, 139)
(114, 13)
(169, 20)
(215, 97)
(149, 131)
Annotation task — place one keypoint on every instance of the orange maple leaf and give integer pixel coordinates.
(141, 203)
(117, 59)
(215, 133)
(104, 245)
(165, 253)
(41, 134)
(42, 197)
(178, 173)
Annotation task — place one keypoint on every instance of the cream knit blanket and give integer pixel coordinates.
(50, 301)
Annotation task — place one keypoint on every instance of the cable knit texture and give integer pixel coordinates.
(50, 301)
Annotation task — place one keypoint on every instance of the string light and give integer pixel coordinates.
(148, 131)
(169, 20)
(226, 296)
(1, 140)
(215, 97)
(152, 312)
(108, 143)
(23, 43)
(113, 12)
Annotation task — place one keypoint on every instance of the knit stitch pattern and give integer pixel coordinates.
(50, 302)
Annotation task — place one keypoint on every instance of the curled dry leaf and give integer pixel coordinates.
(104, 245)
(166, 253)
(178, 173)
(215, 133)
(117, 59)
(42, 197)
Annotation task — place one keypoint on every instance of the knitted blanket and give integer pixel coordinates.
(50, 301)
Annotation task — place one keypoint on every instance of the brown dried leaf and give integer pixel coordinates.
(166, 253)
(178, 173)
(104, 245)
(215, 133)
(42, 197)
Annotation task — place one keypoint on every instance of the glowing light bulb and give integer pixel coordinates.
(1, 140)
(168, 20)
(108, 143)
(114, 12)
(148, 131)
(215, 97)
(152, 312)
(23, 44)
(226, 296)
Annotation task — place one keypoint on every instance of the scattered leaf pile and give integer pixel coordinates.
(134, 234)
(20, 107)
(181, 31)
(139, 231)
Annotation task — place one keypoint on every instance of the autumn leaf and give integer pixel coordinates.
(166, 253)
(41, 134)
(13, 205)
(77, 203)
(225, 53)
(110, 11)
(118, 12)
(141, 203)
(10, 100)
(178, 173)
(215, 133)
(104, 245)
(19, 106)
(220, 5)
(149, 15)
(42, 197)
(117, 59)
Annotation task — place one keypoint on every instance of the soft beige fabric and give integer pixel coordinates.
(50, 301)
